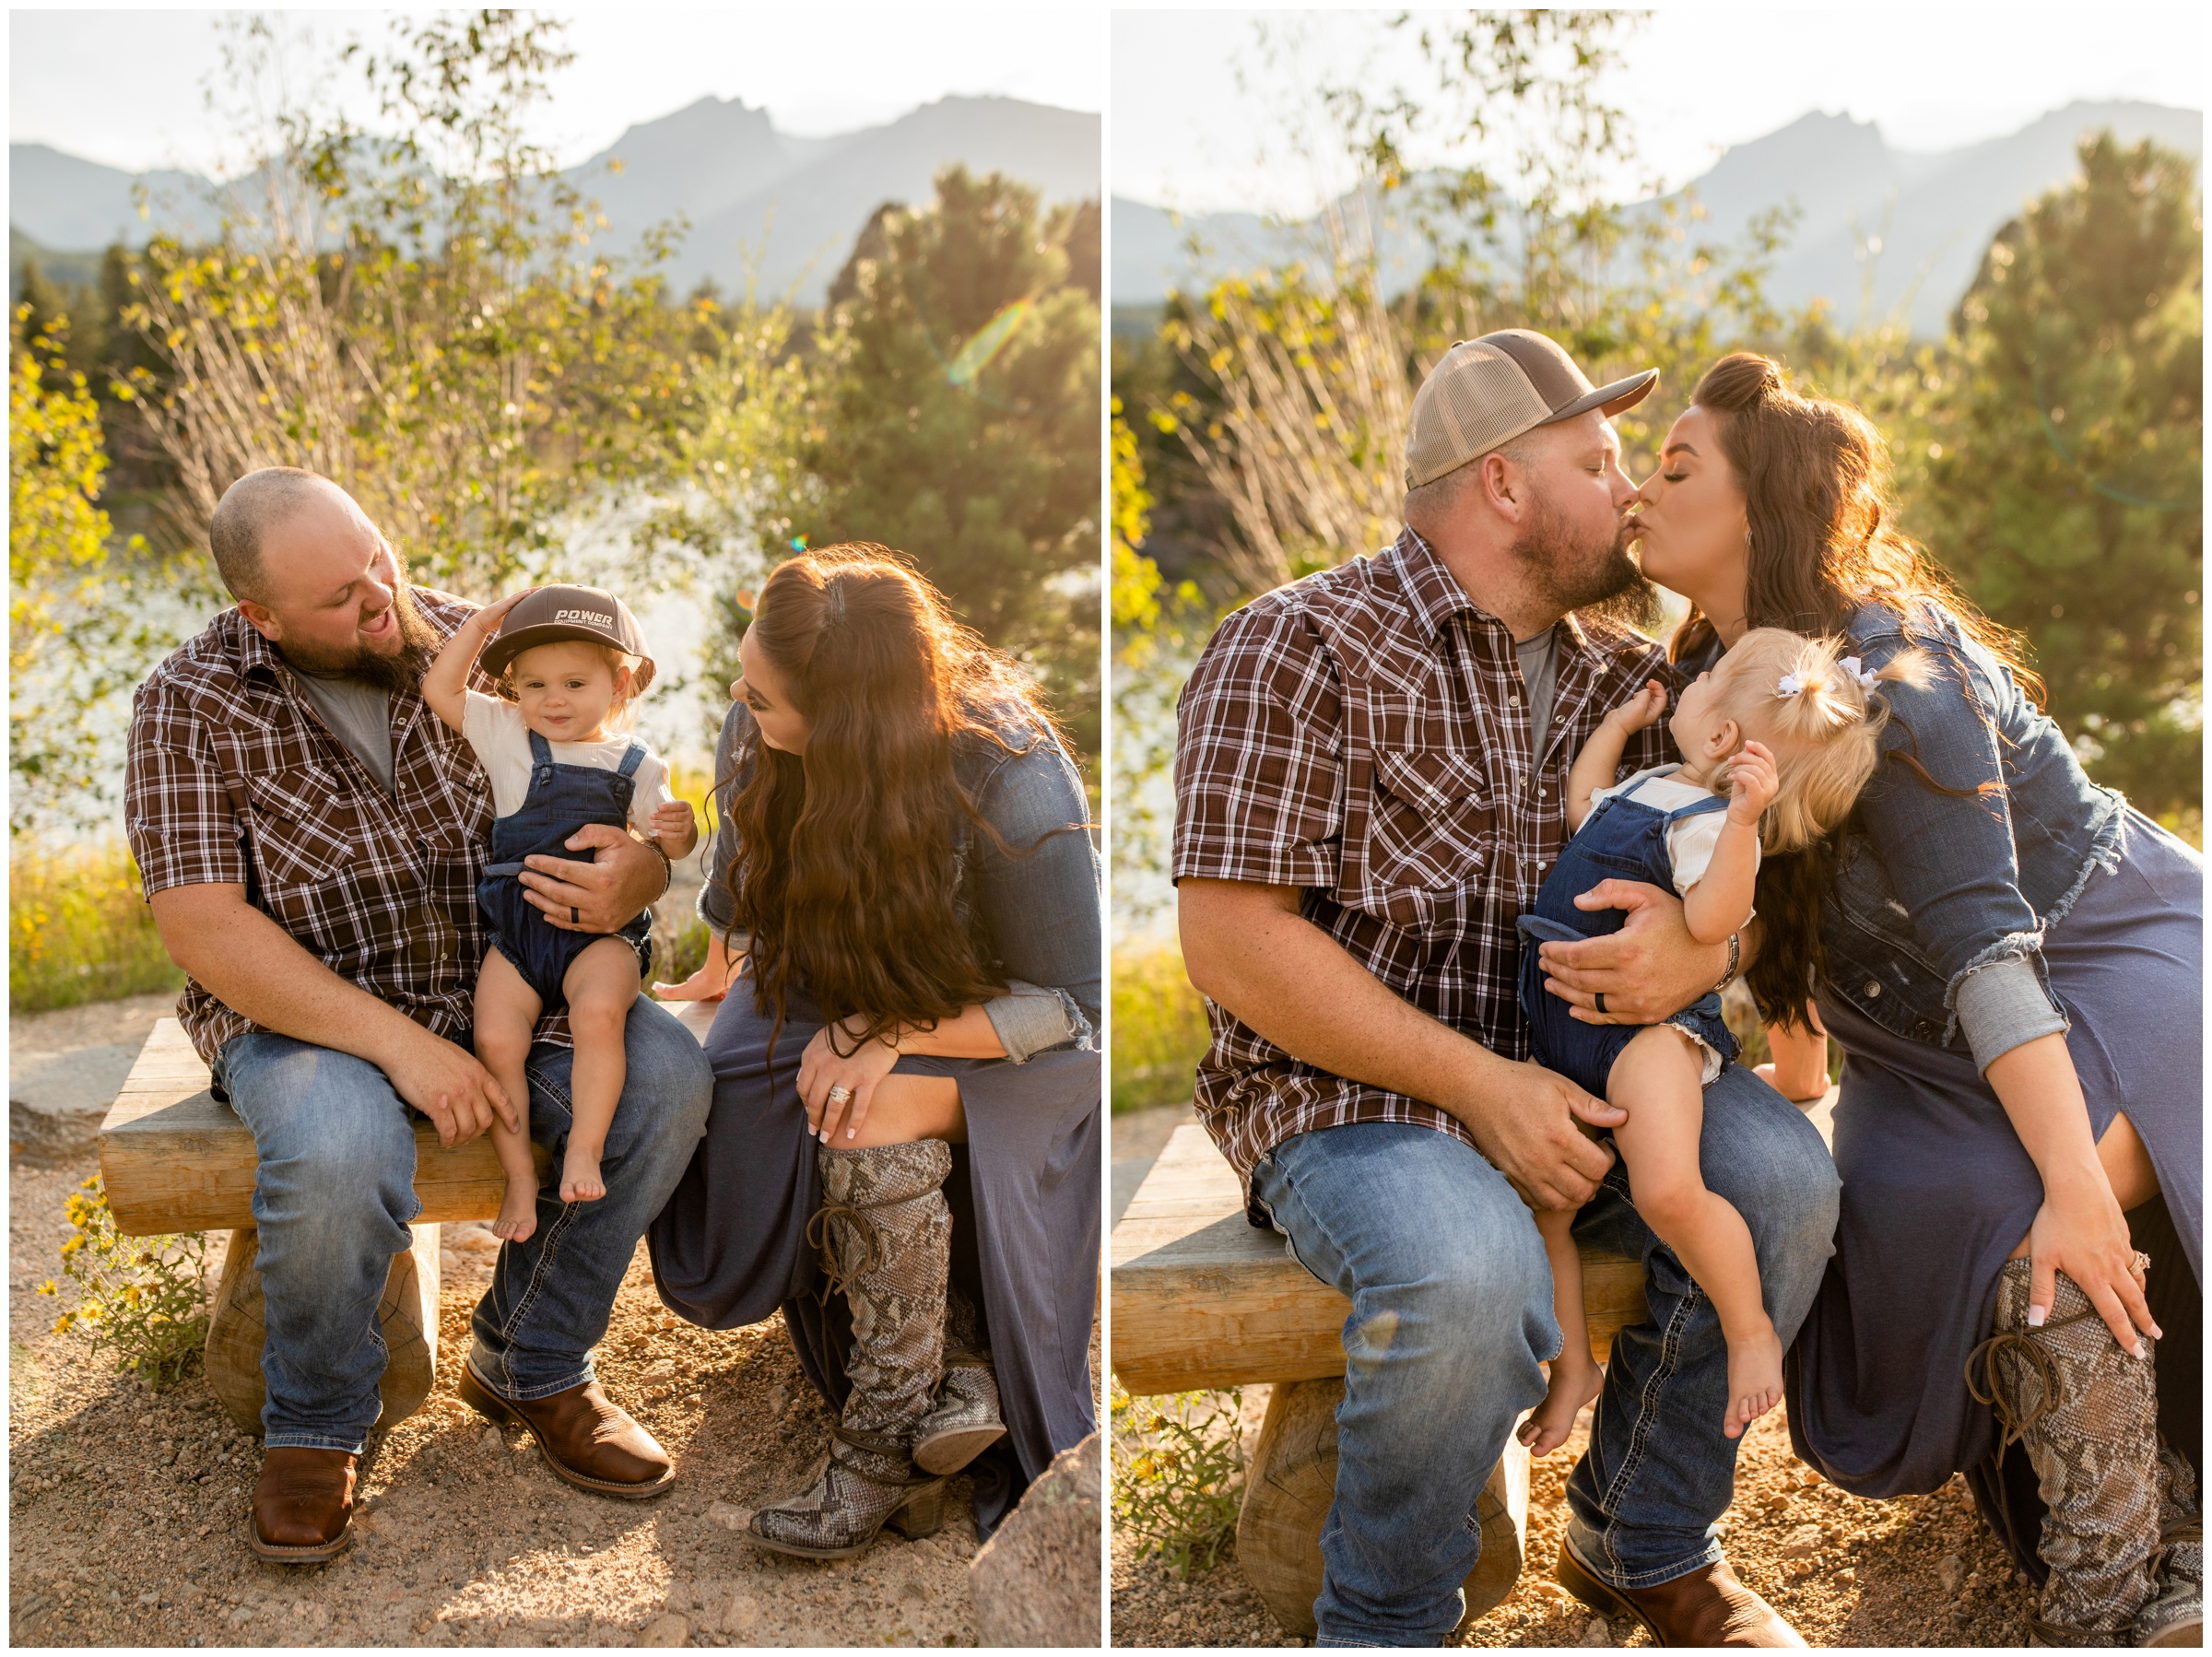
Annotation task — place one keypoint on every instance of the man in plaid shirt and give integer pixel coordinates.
(1371, 770)
(311, 836)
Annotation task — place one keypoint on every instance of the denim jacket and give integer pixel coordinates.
(1935, 922)
(1033, 912)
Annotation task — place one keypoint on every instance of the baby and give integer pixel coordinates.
(1776, 741)
(559, 756)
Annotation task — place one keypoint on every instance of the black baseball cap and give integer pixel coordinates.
(548, 614)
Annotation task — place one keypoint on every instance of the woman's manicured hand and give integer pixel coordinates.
(2080, 1231)
(852, 1064)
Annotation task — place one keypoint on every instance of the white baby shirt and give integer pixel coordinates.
(1689, 840)
(494, 728)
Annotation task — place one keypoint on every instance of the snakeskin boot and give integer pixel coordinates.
(2086, 1413)
(885, 1238)
(965, 1422)
(2176, 1615)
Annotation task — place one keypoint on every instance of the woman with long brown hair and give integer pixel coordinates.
(904, 902)
(2011, 958)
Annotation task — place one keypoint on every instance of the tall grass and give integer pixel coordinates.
(1159, 1030)
(79, 930)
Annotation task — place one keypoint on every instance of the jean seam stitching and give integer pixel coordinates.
(1647, 1411)
(535, 1286)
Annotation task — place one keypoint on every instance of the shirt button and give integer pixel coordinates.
(1512, 701)
(1542, 795)
(1873, 989)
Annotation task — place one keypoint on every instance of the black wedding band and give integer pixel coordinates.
(1601, 1002)
(574, 919)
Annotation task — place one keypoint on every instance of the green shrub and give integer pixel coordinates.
(1179, 1474)
(143, 1298)
(79, 930)
(1159, 1032)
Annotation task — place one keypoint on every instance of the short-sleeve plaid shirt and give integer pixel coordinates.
(233, 779)
(1365, 733)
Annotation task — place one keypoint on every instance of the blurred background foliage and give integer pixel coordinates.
(426, 312)
(2047, 448)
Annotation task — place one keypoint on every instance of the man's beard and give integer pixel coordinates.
(400, 671)
(1598, 579)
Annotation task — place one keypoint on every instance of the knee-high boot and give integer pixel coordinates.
(965, 1421)
(2086, 1413)
(886, 1237)
(2175, 1615)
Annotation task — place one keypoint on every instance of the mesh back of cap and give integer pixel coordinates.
(1476, 398)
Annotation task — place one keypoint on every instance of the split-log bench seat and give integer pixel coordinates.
(172, 1159)
(1203, 1299)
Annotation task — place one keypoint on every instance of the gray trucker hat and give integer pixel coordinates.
(1488, 391)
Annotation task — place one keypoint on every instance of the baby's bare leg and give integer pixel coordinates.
(1655, 1080)
(507, 1009)
(1575, 1377)
(600, 985)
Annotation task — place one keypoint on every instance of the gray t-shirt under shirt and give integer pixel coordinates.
(1540, 672)
(359, 715)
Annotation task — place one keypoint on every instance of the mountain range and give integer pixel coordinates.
(766, 209)
(1878, 228)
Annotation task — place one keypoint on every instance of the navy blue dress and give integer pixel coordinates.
(1624, 838)
(563, 799)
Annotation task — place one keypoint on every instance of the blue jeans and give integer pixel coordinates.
(1451, 1314)
(335, 1193)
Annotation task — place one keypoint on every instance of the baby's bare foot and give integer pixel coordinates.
(580, 1180)
(1754, 1381)
(518, 1211)
(1549, 1423)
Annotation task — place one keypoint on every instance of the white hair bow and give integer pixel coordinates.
(1850, 665)
(1791, 684)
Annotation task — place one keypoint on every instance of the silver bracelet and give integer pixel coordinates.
(1735, 955)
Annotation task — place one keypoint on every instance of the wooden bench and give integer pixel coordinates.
(172, 1159)
(1202, 1298)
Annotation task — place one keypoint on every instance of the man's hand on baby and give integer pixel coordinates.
(1751, 784)
(1640, 709)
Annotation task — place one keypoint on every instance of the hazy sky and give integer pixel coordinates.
(1698, 79)
(123, 86)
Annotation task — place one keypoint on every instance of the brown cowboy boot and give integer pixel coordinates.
(585, 1437)
(302, 1505)
(1703, 1608)
(886, 1237)
(965, 1421)
(2175, 1615)
(2086, 1413)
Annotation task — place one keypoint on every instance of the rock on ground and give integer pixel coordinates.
(1036, 1581)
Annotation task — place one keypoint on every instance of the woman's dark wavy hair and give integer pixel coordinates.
(845, 872)
(1815, 479)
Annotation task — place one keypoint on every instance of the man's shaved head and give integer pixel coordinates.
(248, 510)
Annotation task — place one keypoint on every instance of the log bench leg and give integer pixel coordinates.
(408, 1317)
(1291, 1481)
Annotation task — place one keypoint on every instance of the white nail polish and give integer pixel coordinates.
(2035, 1315)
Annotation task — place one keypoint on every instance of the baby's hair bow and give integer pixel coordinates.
(1791, 684)
(1850, 665)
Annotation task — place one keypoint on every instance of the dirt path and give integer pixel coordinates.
(127, 1507)
(1921, 1571)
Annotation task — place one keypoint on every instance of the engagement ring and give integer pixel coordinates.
(838, 1096)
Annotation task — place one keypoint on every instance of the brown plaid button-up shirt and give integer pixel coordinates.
(1365, 733)
(233, 779)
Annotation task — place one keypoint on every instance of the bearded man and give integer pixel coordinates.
(311, 836)
(1370, 772)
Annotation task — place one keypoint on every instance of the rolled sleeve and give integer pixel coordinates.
(1030, 1018)
(2003, 1004)
(716, 906)
(182, 825)
(1259, 765)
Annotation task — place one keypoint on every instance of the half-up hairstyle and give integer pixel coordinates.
(1816, 478)
(1817, 710)
(846, 869)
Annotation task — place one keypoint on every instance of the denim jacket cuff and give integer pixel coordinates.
(1999, 1001)
(1029, 1018)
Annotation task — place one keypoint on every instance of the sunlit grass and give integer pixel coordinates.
(79, 930)
(1159, 1030)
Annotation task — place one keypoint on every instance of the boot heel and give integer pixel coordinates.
(924, 1515)
(479, 1398)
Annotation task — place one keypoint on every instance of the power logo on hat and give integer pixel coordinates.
(1488, 391)
(553, 613)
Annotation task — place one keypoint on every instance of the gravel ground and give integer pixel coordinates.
(1921, 1571)
(128, 1508)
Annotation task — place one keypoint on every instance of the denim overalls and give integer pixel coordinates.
(563, 799)
(1622, 840)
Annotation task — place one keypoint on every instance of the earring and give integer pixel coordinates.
(1747, 535)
